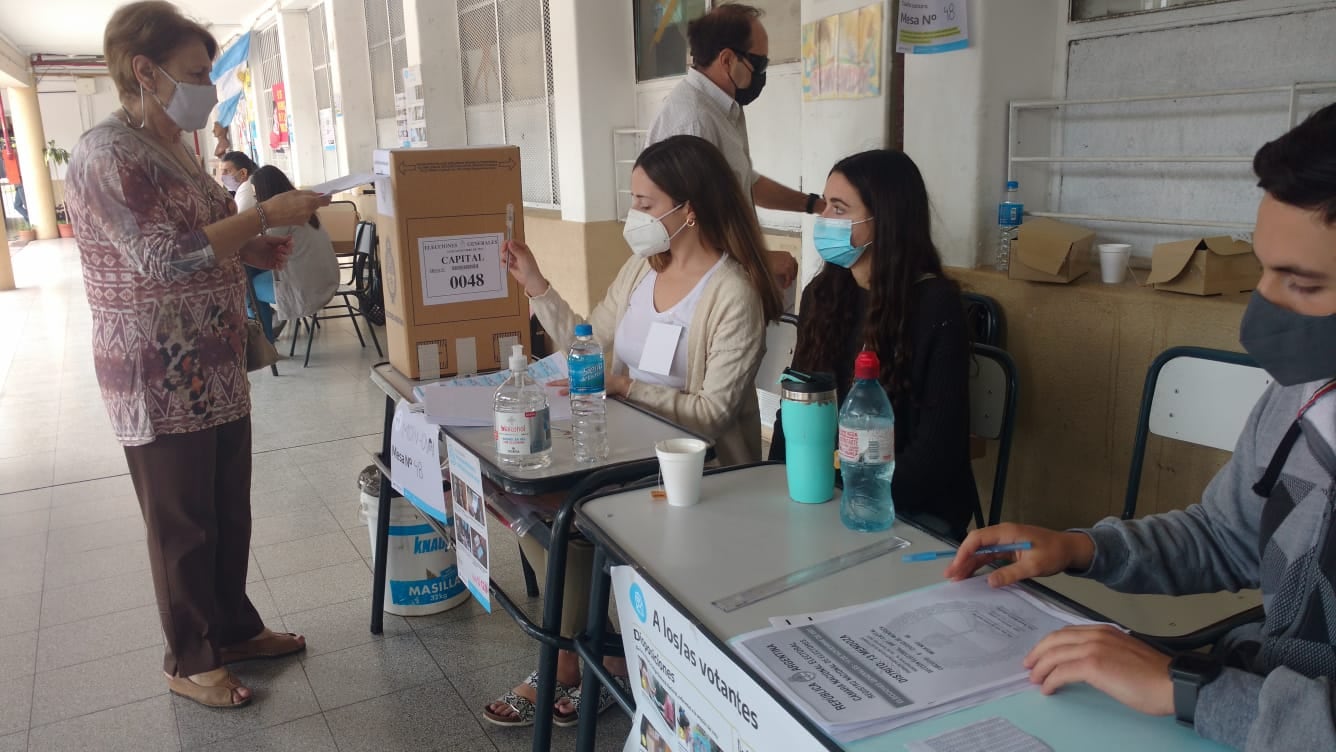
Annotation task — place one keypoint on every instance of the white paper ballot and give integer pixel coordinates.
(884, 664)
(660, 347)
(988, 735)
(347, 182)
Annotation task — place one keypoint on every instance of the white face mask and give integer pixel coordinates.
(191, 103)
(646, 234)
(230, 182)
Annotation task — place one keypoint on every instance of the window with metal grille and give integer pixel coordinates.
(319, 35)
(388, 51)
(1086, 10)
(267, 67)
(507, 67)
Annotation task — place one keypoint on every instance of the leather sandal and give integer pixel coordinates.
(272, 645)
(605, 701)
(523, 707)
(219, 695)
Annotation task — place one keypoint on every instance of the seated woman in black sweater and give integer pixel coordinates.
(882, 288)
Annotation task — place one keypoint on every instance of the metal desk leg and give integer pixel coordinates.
(530, 578)
(382, 527)
(591, 684)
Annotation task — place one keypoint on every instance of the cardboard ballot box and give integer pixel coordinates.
(450, 304)
(1046, 250)
(1205, 266)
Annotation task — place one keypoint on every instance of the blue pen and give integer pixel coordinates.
(935, 555)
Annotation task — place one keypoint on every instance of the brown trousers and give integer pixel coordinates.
(194, 491)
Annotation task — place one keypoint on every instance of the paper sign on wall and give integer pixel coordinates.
(690, 695)
(415, 461)
(462, 268)
(930, 26)
(470, 522)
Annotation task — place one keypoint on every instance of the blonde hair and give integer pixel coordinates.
(152, 28)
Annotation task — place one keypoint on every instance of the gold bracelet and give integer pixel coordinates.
(264, 221)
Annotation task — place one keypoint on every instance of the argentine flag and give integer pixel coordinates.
(227, 77)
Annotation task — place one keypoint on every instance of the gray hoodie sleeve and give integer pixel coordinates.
(1208, 547)
(1213, 546)
(1280, 712)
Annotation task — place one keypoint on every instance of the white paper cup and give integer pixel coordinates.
(681, 465)
(1113, 259)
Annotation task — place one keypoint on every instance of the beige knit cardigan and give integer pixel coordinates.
(725, 344)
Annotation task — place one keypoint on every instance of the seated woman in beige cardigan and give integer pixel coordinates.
(698, 278)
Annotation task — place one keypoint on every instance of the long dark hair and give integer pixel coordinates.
(269, 181)
(902, 252)
(691, 169)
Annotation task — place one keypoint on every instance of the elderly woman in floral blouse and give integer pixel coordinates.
(162, 254)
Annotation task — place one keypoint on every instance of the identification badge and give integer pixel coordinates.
(660, 348)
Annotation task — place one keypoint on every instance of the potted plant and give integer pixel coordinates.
(56, 157)
(63, 222)
(26, 233)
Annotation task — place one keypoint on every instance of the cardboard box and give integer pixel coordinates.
(1046, 250)
(1205, 266)
(450, 305)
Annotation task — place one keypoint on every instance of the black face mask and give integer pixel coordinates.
(1292, 347)
(746, 95)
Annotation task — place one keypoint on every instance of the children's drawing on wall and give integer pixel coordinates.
(841, 55)
(810, 89)
(827, 64)
(869, 49)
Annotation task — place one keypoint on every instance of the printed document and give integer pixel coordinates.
(871, 668)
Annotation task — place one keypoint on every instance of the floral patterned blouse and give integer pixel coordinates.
(169, 321)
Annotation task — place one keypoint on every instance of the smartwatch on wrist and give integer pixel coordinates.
(812, 198)
(1189, 673)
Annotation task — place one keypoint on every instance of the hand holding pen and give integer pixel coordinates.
(1030, 552)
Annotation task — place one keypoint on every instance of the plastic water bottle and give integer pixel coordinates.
(523, 428)
(867, 450)
(1009, 215)
(589, 413)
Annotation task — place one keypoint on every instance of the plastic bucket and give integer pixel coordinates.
(420, 573)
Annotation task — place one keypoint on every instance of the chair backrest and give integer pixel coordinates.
(993, 390)
(1196, 395)
(781, 337)
(984, 317)
(339, 220)
(364, 239)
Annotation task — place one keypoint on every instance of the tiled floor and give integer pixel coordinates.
(80, 645)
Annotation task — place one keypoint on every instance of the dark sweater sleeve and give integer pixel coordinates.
(941, 392)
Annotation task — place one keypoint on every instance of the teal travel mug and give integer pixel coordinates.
(809, 410)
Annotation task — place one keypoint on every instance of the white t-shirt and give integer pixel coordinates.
(633, 329)
(245, 197)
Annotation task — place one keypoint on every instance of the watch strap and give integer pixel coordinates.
(1185, 700)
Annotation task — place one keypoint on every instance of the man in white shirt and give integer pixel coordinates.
(237, 169)
(729, 49)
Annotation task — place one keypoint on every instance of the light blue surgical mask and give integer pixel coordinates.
(833, 239)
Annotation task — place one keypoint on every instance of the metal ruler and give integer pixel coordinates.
(809, 574)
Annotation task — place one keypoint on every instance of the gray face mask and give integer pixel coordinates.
(1292, 347)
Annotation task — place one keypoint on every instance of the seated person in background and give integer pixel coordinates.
(698, 270)
(882, 288)
(1264, 521)
(237, 169)
(311, 276)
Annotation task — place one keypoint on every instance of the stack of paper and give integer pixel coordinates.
(867, 669)
(467, 401)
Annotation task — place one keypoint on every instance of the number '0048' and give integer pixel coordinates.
(464, 282)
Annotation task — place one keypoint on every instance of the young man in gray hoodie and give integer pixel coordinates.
(1264, 521)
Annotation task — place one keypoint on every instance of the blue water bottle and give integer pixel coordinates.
(811, 418)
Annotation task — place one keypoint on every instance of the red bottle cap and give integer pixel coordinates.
(867, 366)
